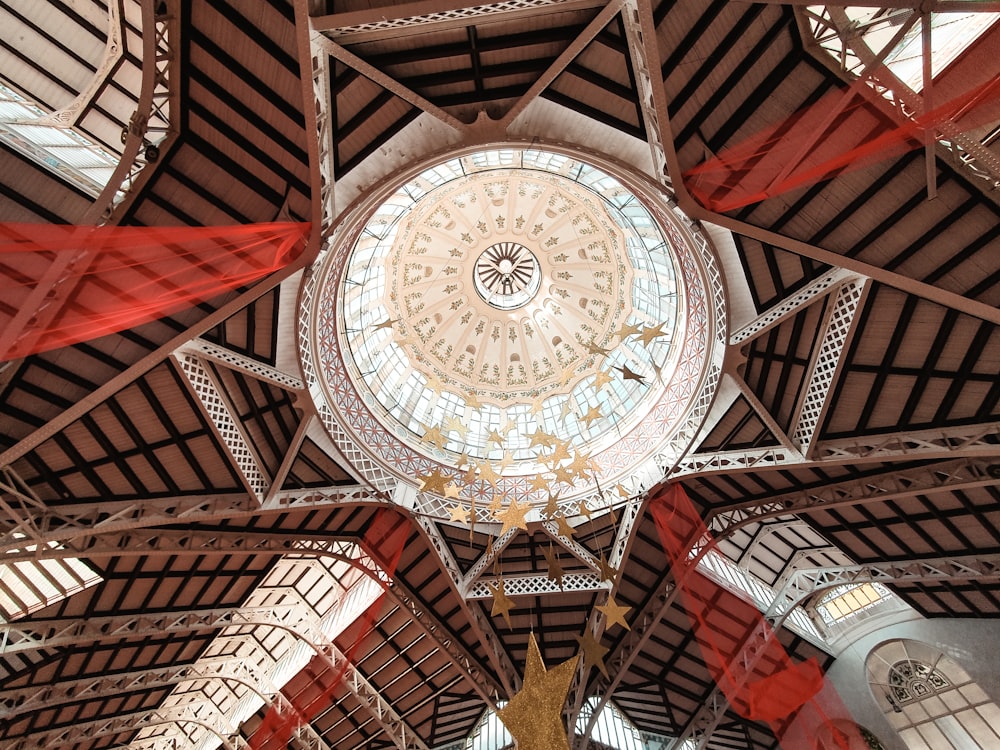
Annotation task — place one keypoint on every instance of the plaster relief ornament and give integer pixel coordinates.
(517, 323)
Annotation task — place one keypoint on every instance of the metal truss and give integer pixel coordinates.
(89, 730)
(478, 621)
(642, 50)
(205, 543)
(427, 15)
(804, 584)
(836, 333)
(486, 559)
(44, 634)
(595, 625)
(219, 411)
(202, 349)
(789, 306)
(954, 475)
(538, 584)
(946, 442)
(30, 522)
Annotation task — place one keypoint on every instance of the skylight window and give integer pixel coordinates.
(840, 29)
(846, 601)
(29, 585)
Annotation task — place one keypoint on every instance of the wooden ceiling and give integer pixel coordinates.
(113, 456)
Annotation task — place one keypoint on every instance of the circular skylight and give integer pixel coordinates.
(517, 317)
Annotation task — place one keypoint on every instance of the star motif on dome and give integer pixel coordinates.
(434, 481)
(593, 413)
(649, 333)
(513, 517)
(387, 323)
(614, 613)
(626, 330)
(502, 604)
(454, 424)
(593, 651)
(459, 514)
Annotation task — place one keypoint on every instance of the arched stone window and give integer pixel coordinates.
(930, 700)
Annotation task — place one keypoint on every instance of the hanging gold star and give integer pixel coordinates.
(566, 375)
(536, 405)
(652, 332)
(510, 424)
(496, 504)
(602, 378)
(555, 571)
(564, 474)
(462, 460)
(593, 652)
(622, 491)
(593, 348)
(594, 412)
(539, 483)
(507, 460)
(629, 374)
(614, 614)
(434, 482)
(606, 571)
(583, 510)
(472, 400)
(560, 450)
(552, 506)
(534, 715)
(565, 409)
(486, 472)
(541, 439)
(495, 437)
(434, 436)
(513, 517)
(434, 384)
(502, 604)
(459, 514)
(626, 330)
(583, 464)
(454, 424)
(451, 491)
(387, 323)
(564, 529)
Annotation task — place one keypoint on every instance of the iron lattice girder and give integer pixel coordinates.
(958, 474)
(803, 584)
(949, 442)
(536, 585)
(202, 543)
(29, 521)
(43, 634)
(89, 730)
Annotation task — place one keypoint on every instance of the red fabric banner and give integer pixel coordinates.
(65, 284)
(824, 140)
(792, 697)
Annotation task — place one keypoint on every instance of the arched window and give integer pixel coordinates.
(930, 700)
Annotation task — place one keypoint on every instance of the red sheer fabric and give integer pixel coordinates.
(65, 284)
(792, 697)
(384, 540)
(826, 139)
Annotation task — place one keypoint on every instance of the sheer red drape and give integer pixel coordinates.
(60, 285)
(792, 697)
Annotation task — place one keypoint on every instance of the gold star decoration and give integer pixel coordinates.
(629, 374)
(564, 474)
(560, 450)
(565, 409)
(594, 412)
(552, 506)
(538, 482)
(502, 604)
(387, 323)
(606, 570)
(582, 464)
(472, 400)
(534, 715)
(459, 514)
(454, 424)
(536, 406)
(593, 348)
(451, 491)
(513, 517)
(495, 437)
(626, 330)
(583, 509)
(566, 376)
(541, 439)
(486, 472)
(651, 332)
(507, 460)
(593, 651)
(434, 436)
(434, 481)
(555, 572)
(614, 613)
(564, 529)
(434, 384)
(602, 378)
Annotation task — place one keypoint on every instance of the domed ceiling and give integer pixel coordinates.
(513, 323)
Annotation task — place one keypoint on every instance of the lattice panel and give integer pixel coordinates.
(827, 361)
(208, 392)
(537, 584)
(252, 367)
